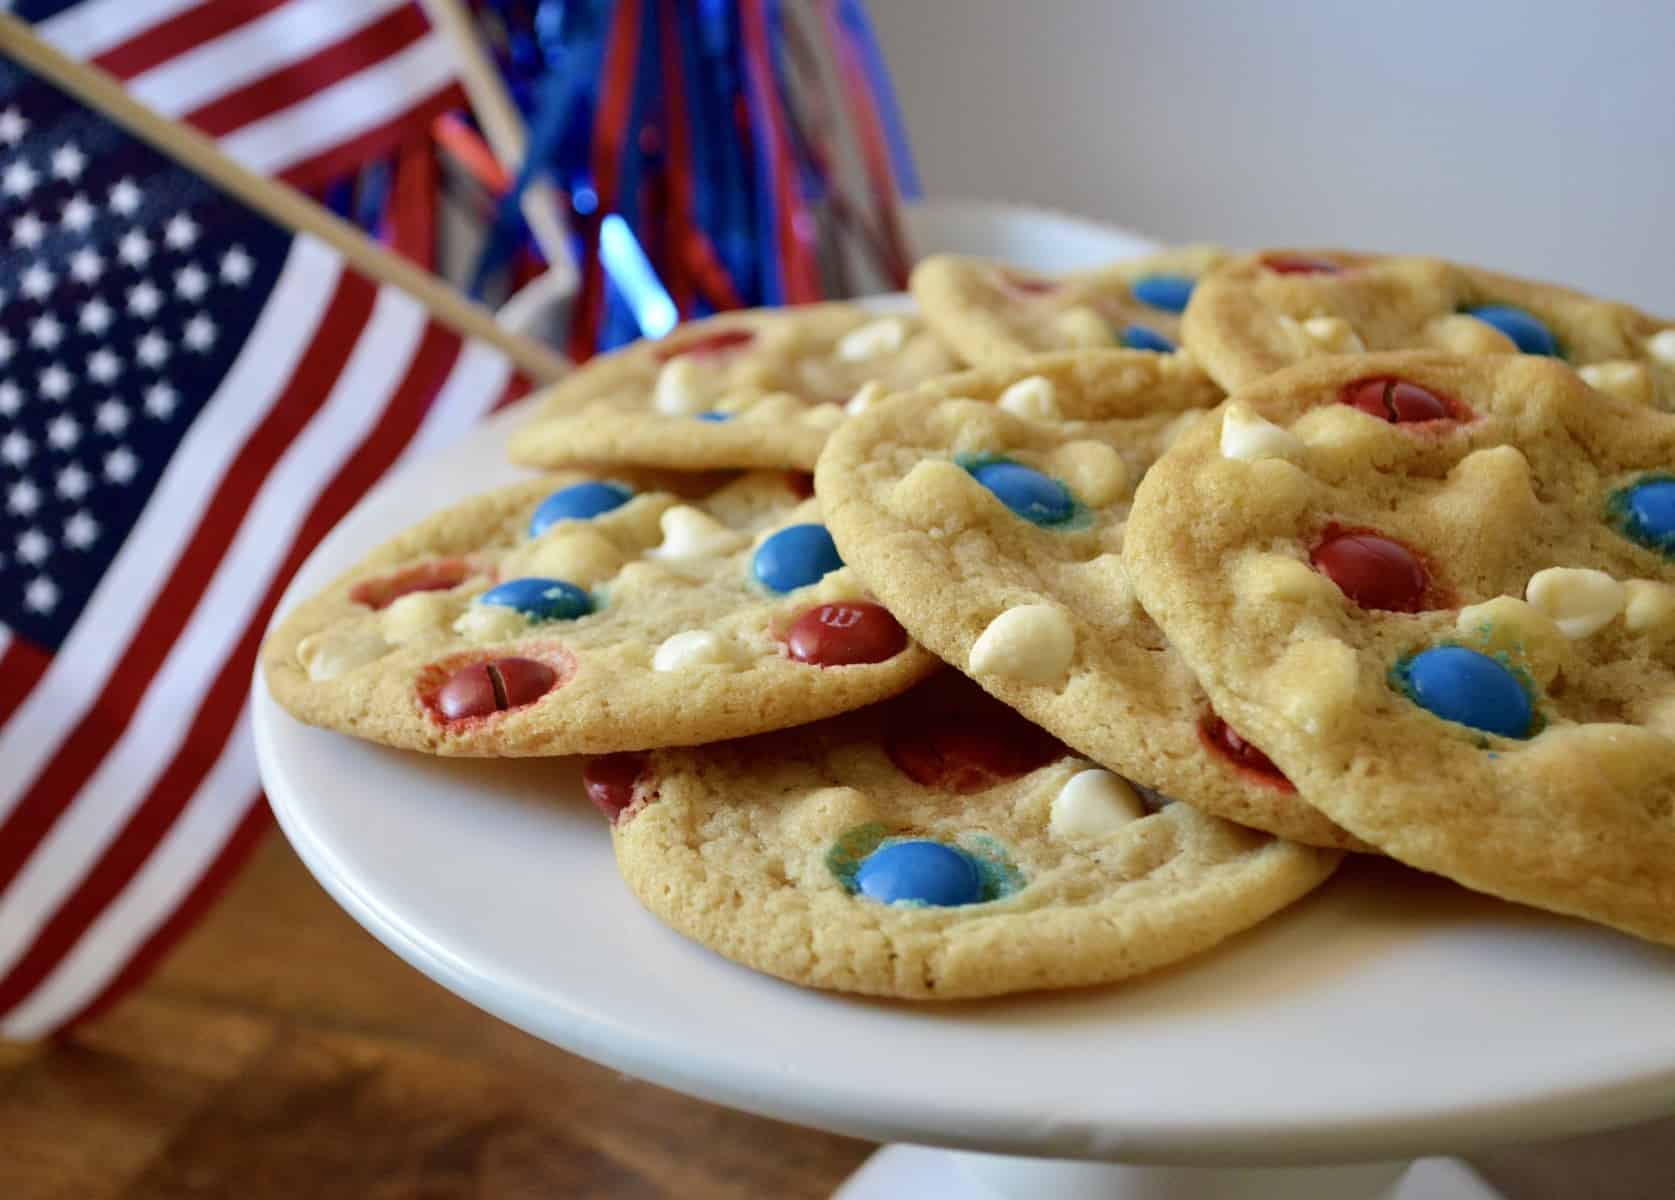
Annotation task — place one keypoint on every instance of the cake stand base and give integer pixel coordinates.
(925, 1173)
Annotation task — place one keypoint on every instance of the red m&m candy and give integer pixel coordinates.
(609, 782)
(493, 686)
(1372, 570)
(437, 575)
(1222, 738)
(722, 341)
(1300, 264)
(1026, 286)
(843, 634)
(1398, 401)
(969, 747)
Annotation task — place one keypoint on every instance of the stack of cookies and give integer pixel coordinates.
(1119, 608)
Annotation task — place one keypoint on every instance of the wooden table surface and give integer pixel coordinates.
(281, 1052)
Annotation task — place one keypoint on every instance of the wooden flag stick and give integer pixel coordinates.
(503, 125)
(276, 201)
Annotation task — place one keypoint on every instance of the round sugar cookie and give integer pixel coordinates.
(933, 847)
(987, 511)
(991, 313)
(760, 388)
(1263, 312)
(584, 615)
(1439, 592)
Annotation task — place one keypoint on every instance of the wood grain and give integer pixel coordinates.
(281, 1053)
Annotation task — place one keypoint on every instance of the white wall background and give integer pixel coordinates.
(1536, 137)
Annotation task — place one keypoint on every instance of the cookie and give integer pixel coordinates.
(581, 615)
(1264, 312)
(1438, 591)
(761, 388)
(933, 847)
(992, 313)
(987, 512)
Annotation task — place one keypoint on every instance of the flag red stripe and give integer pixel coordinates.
(184, 31)
(610, 130)
(410, 213)
(295, 83)
(345, 157)
(143, 959)
(78, 757)
(218, 712)
(21, 667)
(516, 389)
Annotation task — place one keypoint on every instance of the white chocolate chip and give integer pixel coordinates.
(1032, 643)
(337, 651)
(1082, 326)
(413, 614)
(1034, 397)
(1580, 600)
(1661, 346)
(822, 416)
(1281, 579)
(1094, 471)
(1334, 334)
(573, 552)
(693, 648)
(1464, 334)
(884, 336)
(1094, 803)
(1508, 626)
(1626, 380)
(490, 623)
(692, 533)
(867, 395)
(1647, 605)
(679, 391)
(1248, 437)
(1316, 680)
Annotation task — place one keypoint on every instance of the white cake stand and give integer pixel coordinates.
(1388, 1017)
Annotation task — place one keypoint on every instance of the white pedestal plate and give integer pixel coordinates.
(1390, 1016)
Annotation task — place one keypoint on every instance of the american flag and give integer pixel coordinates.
(303, 90)
(190, 397)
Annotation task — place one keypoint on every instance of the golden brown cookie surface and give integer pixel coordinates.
(759, 388)
(582, 615)
(991, 313)
(933, 847)
(987, 511)
(1438, 592)
(1263, 312)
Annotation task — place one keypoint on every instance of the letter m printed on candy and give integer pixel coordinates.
(191, 395)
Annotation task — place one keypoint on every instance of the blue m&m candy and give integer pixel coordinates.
(1168, 292)
(919, 873)
(1525, 329)
(1138, 337)
(1647, 513)
(715, 415)
(578, 502)
(1469, 688)
(1027, 492)
(540, 599)
(795, 557)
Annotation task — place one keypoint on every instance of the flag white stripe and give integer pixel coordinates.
(383, 352)
(278, 39)
(91, 28)
(480, 375)
(339, 113)
(5, 640)
(169, 873)
(124, 594)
